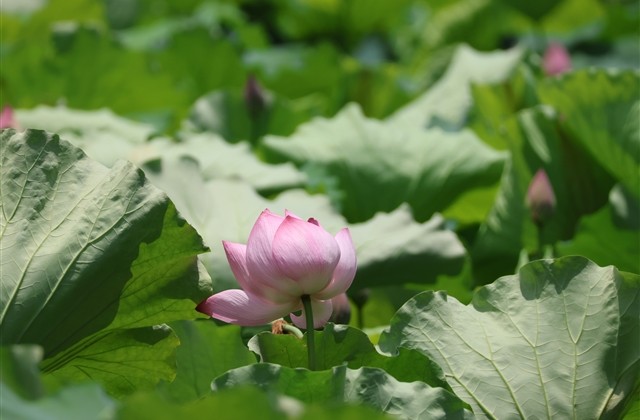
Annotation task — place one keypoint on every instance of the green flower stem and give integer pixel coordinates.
(311, 346)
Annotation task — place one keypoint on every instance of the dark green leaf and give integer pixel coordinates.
(124, 361)
(600, 110)
(580, 187)
(368, 386)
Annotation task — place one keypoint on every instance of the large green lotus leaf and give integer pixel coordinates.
(102, 135)
(219, 159)
(448, 101)
(381, 165)
(392, 248)
(580, 185)
(87, 251)
(599, 110)
(206, 351)
(368, 386)
(338, 344)
(559, 339)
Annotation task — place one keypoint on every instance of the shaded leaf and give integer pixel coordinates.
(600, 109)
(579, 184)
(368, 386)
(225, 112)
(601, 240)
(338, 344)
(124, 361)
(206, 351)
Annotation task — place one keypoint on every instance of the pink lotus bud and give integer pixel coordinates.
(6, 118)
(254, 97)
(341, 309)
(284, 259)
(540, 198)
(556, 60)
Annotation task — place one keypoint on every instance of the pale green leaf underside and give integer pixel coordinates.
(550, 342)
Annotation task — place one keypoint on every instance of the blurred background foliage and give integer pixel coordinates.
(408, 110)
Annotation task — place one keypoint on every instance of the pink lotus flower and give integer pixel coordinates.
(284, 259)
(556, 60)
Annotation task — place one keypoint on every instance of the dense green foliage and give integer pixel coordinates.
(145, 132)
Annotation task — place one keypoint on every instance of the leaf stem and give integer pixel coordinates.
(311, 346)
(292, 330)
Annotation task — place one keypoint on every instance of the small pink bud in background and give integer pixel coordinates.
(254, 97)
(341, 309)
(556, 60)
(541, 198)
(6, 118)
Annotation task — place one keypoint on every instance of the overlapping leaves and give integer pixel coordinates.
(83, 247)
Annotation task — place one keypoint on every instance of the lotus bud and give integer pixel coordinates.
(7, 119)
(341, 309)
(255, 98)
(541, 199)
(556, 60)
